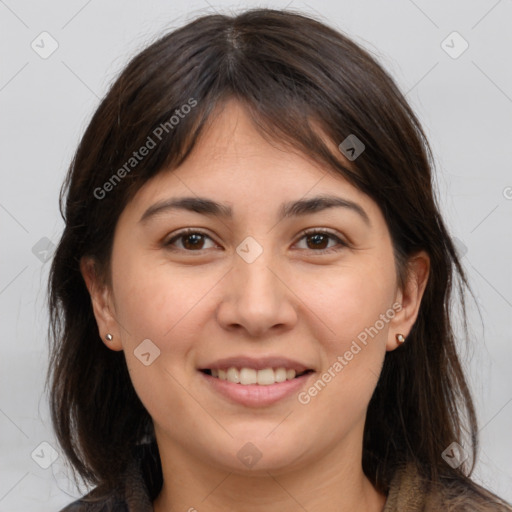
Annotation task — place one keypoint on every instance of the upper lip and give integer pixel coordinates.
(257, 363)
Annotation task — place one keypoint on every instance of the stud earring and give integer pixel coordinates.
(400, 338)
(109, 337)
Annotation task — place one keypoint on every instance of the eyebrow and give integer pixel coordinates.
(212, 208)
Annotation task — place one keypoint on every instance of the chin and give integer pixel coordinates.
(258, 455)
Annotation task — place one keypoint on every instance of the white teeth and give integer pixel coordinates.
(233, 375)
(266, 377)
(280, 374)
(247, 376)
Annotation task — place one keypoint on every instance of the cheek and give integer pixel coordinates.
(169, 307)
(349, 299)
(153, 303)
(353, 307)
(153, 300)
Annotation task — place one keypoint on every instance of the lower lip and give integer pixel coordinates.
(256, 395)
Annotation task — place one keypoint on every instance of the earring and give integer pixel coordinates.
(109, 337)
(400, 338)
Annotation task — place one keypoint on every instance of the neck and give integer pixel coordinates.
(333, 483)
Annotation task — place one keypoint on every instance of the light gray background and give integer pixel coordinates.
(465, 105)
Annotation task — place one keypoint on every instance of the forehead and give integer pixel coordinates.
(233, 162)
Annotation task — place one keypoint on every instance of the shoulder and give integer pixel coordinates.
(410, 491)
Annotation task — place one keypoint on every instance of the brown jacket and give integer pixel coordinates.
(407, 493)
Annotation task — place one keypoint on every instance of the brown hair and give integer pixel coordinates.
(292, 73)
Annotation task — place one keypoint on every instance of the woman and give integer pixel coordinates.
(250, 302)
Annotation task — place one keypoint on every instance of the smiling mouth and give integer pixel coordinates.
(249, 376)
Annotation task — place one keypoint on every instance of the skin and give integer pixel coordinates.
(200, 305)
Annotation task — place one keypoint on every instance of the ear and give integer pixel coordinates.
(418, 268)
(102, 304)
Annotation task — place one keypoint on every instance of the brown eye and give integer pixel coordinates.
(189, 241)
(193, 241)
(318, 241)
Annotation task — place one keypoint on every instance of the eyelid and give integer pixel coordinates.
(184, 232)
(309, 231)
(328, 231)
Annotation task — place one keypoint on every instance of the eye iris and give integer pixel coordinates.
(320, 240)
(197, 238)
(196, 241)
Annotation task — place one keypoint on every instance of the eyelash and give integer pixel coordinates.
(303, 234)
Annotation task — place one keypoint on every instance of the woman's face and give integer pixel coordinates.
(249, 283)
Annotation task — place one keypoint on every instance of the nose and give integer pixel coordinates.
(256, 298)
